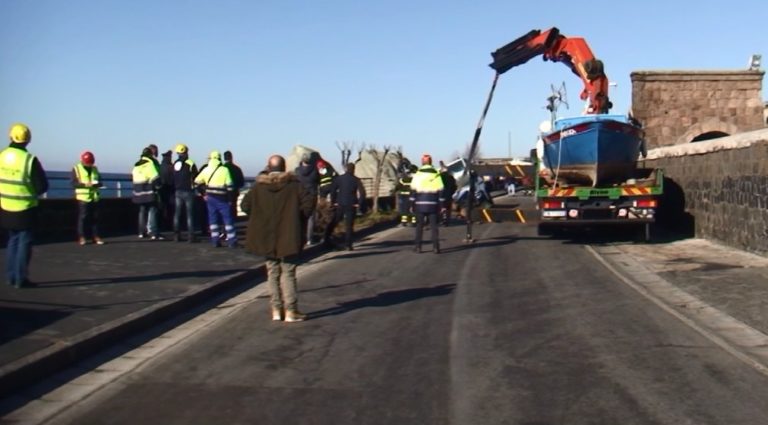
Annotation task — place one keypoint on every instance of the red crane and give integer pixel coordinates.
(572, 51)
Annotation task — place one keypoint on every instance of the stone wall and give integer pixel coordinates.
(675, 107)
(724, 186)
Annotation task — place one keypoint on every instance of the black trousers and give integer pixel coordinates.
(87, 217)
(433, 225)
(348, 215)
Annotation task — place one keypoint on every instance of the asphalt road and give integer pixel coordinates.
(513, 329)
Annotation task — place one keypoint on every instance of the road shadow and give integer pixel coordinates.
(325, 288)
(136, 279)
(17, 322)
(386, 299)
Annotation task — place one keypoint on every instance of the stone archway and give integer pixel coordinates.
(709, 129)
(676, 107)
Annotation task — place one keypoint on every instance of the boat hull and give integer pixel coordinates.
(592, 150)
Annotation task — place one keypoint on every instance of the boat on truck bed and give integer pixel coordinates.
(592, 150)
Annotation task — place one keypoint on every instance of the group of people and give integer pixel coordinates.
(157, 186)
(403, 191)
(280, 204)
(164, 187)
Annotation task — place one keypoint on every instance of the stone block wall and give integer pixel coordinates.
(677, 106)
(724, 183)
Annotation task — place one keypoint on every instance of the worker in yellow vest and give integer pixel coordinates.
(87, 182)
(215, 181)
(146, 183)
(22, 181)
(427, 201)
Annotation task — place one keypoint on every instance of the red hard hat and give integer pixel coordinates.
(320, 164)
(87, 158)
(426, 159)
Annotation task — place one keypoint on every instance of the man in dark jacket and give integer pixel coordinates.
(276, 206)
(347, 194)
(19, 193)
(184, 173)
(238, 181)
(449, 188)
(166, 190)
(307, 174)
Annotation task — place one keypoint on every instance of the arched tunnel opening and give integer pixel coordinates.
(709, 136)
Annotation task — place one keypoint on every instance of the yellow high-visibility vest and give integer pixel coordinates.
(87, 194)
(216, 178)
(16, 190)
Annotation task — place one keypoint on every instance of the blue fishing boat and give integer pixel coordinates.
(592, 150)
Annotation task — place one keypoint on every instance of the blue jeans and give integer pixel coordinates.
(18, 254)
(148, 219)
(220, 210)
(187, 200)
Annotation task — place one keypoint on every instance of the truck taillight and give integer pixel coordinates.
(548, 205)
(646, 203)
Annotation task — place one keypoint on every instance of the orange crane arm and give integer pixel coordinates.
(572, 51)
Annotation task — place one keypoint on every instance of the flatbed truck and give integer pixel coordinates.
(633, 202)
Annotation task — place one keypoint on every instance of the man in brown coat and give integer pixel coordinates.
(277, 206)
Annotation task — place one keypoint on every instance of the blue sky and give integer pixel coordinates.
(259, 77)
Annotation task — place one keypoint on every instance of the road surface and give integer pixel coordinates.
(513, 329)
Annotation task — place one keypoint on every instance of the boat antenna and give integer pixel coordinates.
(558, 97)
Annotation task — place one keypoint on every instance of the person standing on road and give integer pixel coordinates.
(146, 182)
(449, 188)
(427, 199)
(87, 182)
(165, 194)
(347, 195)
(22, 181)
(308, 175)
(184, 173)
(403, 190)
(238, 181)
(327, 174)
(277, 205)
(216, 182)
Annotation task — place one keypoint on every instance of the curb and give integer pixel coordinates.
(36, 366)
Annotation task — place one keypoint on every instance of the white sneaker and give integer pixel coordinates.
(295, 316)
(277, 315)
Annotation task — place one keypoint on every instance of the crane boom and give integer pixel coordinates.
(572, 51)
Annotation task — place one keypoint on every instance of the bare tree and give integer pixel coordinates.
(360, 150)
(345, 148)
(381, 159)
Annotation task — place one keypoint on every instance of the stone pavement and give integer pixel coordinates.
(733, 281)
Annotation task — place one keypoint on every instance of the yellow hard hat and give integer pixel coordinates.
(20, 133)
(215, 155)
(181, 148)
